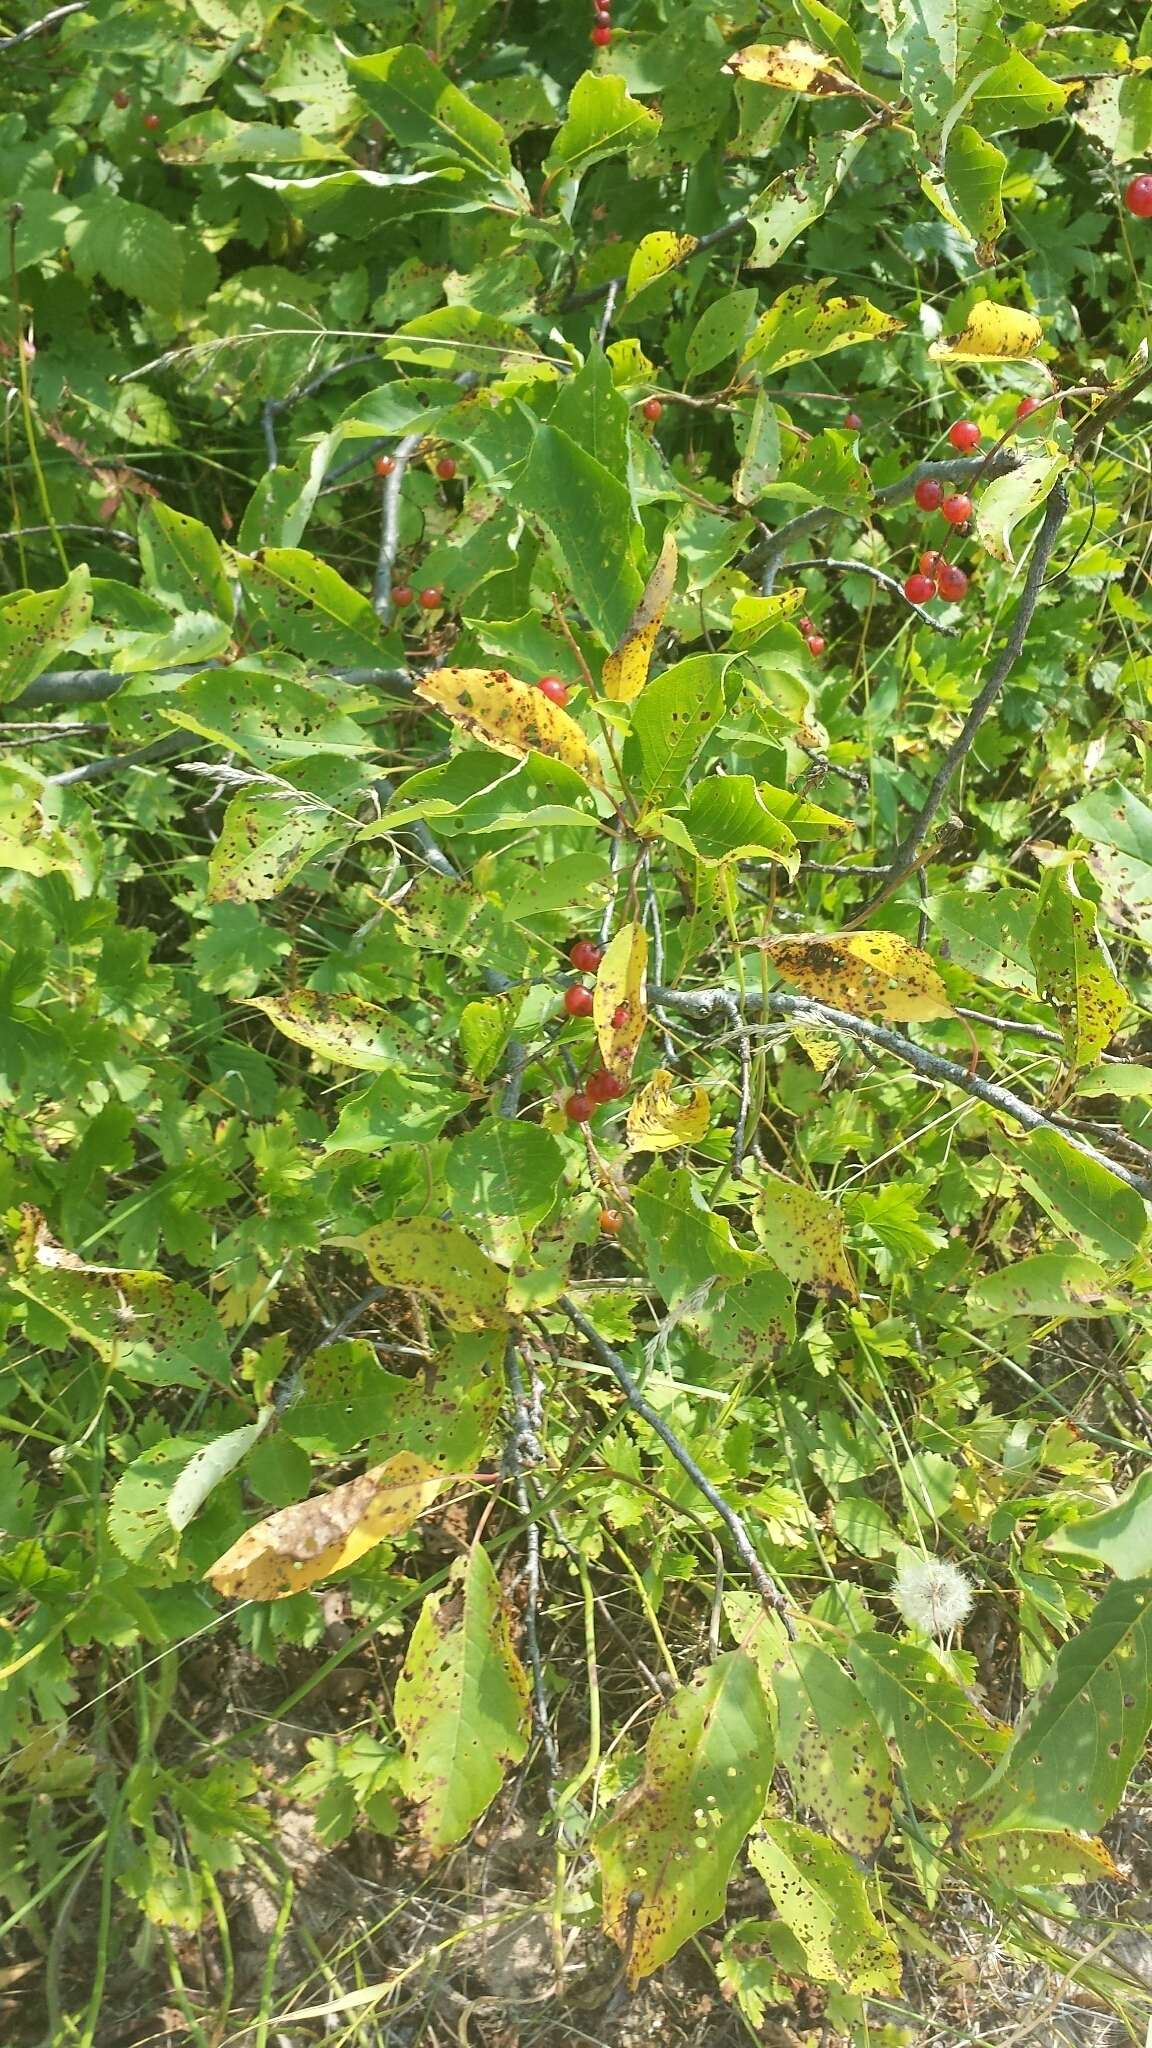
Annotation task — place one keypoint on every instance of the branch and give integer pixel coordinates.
(104, 765)
(524, 1449)
(881, 576)
(710, 1004)
(96, 685)
(904, 860)
(34, 28)
(402, 455)
(765, 560)
(273, 407)
(766, 1586)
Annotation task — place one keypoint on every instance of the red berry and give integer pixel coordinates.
(853, 422)
(603, 1086)
(1138, 196)
(580, 1108)
(601, 36)
(432, 598)
(552, 688)
(578, 1000)
(928, 493)
(610, 1222)
(805, 625)
(964, 436)
(120, 98)
(919, 589)
(620, 1016)
(151, 120)
(446, 468)
(585, 957)
(402, 594)
(951, 582)
(602, 18)
(652, 408)
(1026, 408)
(930, 563)
(957, 509)
(816, 643)
(384, 465)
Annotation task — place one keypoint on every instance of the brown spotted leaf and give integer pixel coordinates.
(991, 333)
(461, 1702)
(820, 1896)
(667, 1113)
(297, 1546)
(344, 1029)
(440, 1262)
(512, 716)
(37, 626)
(833, 1749)
(655, 255)
(869, 974)
(804, 1233)
(666, 1855)
(619, 999)
(1073, 972)
(1047, 1856)
(792, 67)
(625, 671)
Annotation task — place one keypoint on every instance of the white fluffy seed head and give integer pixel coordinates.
(932, 1594)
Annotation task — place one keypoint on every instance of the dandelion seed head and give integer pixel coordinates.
(932, 1594)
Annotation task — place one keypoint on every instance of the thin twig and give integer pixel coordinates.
(106, 765)
(273, 407)
(714, 1003)
(765, 1585)
(402, 455)
(417, 832)
(35, 28)
(609, 309)
(904, 860)
(594, 292)
(882, 577)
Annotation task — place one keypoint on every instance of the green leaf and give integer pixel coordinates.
(833, 1749)
(727, 821)
(445, 1415)
(1075, 1748)
(428, 114)
(821, 1898)
(1072, 970)
(602, 120)
(1016, 94)
(1119, 825)
(946, 1745)
(974, 176)
(138, 1518)
(36, 627)
(1095, 1208)
(1120, 1536)
(158, 1331)
(1003, 503)
(214, 137)
(139, 252)
(803, 1231)
(441, 1262)
(671, 720)
(268, 719)
(940, 44)
(208, 1466)
(310, 608)
(804, 322)
(675, 1837)
(721, 329)
(795, 199)
(758, 439)
(461, 1703)
(269, 834)
(182, 561)
(593, 413)
(988, 934)
(505, 1177)
(587, 513)
(1049, 1284)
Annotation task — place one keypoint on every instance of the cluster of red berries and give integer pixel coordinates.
(430, 598)
(935, 578)
(600, 1086)
(816, 641)
(602, 24)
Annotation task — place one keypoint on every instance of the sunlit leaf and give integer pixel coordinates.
(792, 67)
(297, 1546)
(870, 974)
(803, 1231)
(625, 671)
(991, 333)
(620, 999)
(442, 1263)
(659, 1120)
(820, 1895)
(517, 719)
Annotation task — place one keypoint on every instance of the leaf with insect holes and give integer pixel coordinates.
(990, 334)
(625, 670)
(804, 322)
(495, 707)
(1009, 499)
(803, 1232)
(820, 1896)
(654, 257)
(791, 67)
(1046, 1856)
(833, 1750)
(869, 974)
(658, 1121)
(440, 1262)
(38, 625)
(344, 1029)
(946, 1745)
(273, 828)
(310, 607)
(1119, 1536)
(461, 1702)
(797, 198)
(292, 1549)
(620, 999)
(666, 1854)
(1073, 972)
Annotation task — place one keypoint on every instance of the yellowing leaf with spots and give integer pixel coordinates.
(620, 999)
(666, 1855)
(870, 974)
(297, 1546)
(344, 1029)
(793, 67)
(654, 257)
(1073, 972)
(833, 1750)
(803, 1232)
(511, 716)
(658, 1120)
(803, 323)
(440, 1262)
(820, 1896)
(625, 671)
(1009, 499)
(991, 334)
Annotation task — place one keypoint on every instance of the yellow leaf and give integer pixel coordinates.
(620, 999)
(440, 1261)
(654, 257)
(870, 974)
(803, 1232)
(297, 1546)
(626, 669)
(793, 67)
(657, 1121)
(511, 716)
(991, 333)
